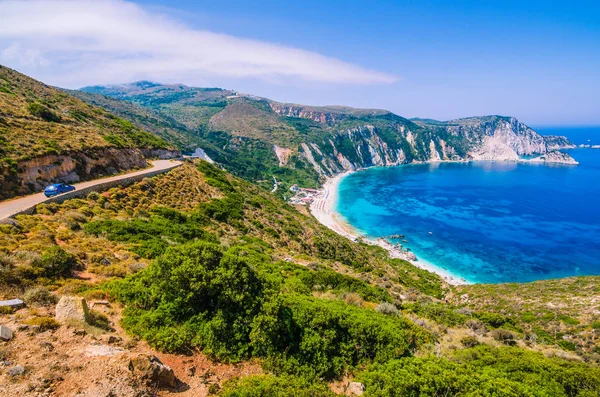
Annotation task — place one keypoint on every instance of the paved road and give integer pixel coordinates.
(13, 206)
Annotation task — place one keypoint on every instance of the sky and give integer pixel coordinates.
(536, 60)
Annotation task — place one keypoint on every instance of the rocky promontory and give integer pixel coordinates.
(554, 157)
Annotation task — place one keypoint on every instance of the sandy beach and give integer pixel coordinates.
(323, 208)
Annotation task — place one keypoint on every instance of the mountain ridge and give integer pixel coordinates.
(322, 141)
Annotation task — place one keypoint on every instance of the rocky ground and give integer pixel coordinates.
(45, 357)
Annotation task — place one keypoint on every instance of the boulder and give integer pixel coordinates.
(6, 333)
(16, 370)
(152, 370)
(14, 303)
(72, 309)
(355, 389)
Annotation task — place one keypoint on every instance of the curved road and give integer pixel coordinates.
(13, 206)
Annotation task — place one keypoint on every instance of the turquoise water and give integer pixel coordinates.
(490, 222)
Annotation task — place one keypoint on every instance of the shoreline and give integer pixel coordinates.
(323, 208)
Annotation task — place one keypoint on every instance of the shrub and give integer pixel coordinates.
(194, 296)
(482, 371)
(43, 112)
(504, 336)
(494, 320)
(151, 237)
(40, 296)
(44, 323)
(6, 310)
(567, 345)
(274, 386)
(387, 308)
(469, 341)
(99, 320)
(320, 338)
(93, 196)
(54, 263)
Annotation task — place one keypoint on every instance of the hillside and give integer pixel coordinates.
(219, 279)
(48, 136)
(258, 138)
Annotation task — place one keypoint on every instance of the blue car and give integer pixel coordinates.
(57, 189)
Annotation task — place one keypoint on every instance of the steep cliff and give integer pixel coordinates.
(379, 143)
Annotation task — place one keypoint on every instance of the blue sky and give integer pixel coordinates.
(538, 61)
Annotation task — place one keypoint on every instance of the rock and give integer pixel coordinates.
(6, 333)
(23, 327)
(47, 346)
(102, 351)
(14, 303)
(111, 339)
(355, 389)
(11, 222)
(555, 157)
(151, 369)
(79, 332)
(100, 303)
(72, 308)
(16, 371)
(191, 371)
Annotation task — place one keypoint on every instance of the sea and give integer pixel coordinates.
(487, 222)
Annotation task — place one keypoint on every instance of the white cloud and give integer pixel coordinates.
(83, 42)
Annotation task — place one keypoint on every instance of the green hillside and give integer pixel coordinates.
(37, 120)
(205, 262)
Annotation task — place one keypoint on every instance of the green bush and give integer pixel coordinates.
(274, 386)
(99, 320)
(320, 338)
(44, 323)
(469, 341)
(151, 237)
(55, 263)
(194, 296)
(482, 371)
(225, 210)
(504, 336)
(198, 296)
(43, 112)
(39, 296)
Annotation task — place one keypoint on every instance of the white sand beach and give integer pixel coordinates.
(323, 208)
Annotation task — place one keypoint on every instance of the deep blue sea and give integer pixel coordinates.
(490, 222)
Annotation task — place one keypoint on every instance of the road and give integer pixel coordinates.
(11, 207)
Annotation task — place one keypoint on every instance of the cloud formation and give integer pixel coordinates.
(83, 42)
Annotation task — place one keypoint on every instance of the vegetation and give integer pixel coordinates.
(38, 120)
(482, 371)
(275, 386)
(203, 261)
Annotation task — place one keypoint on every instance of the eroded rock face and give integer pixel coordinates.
(72, 309)
(490, 138)
(34, 174)
(152, 370)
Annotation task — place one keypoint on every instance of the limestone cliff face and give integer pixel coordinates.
(554, 157)
(30, 176)
(555, 142)
(492, 138)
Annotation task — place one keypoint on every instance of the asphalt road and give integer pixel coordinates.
(11, 207)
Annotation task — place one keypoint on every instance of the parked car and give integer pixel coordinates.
(57, 189)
